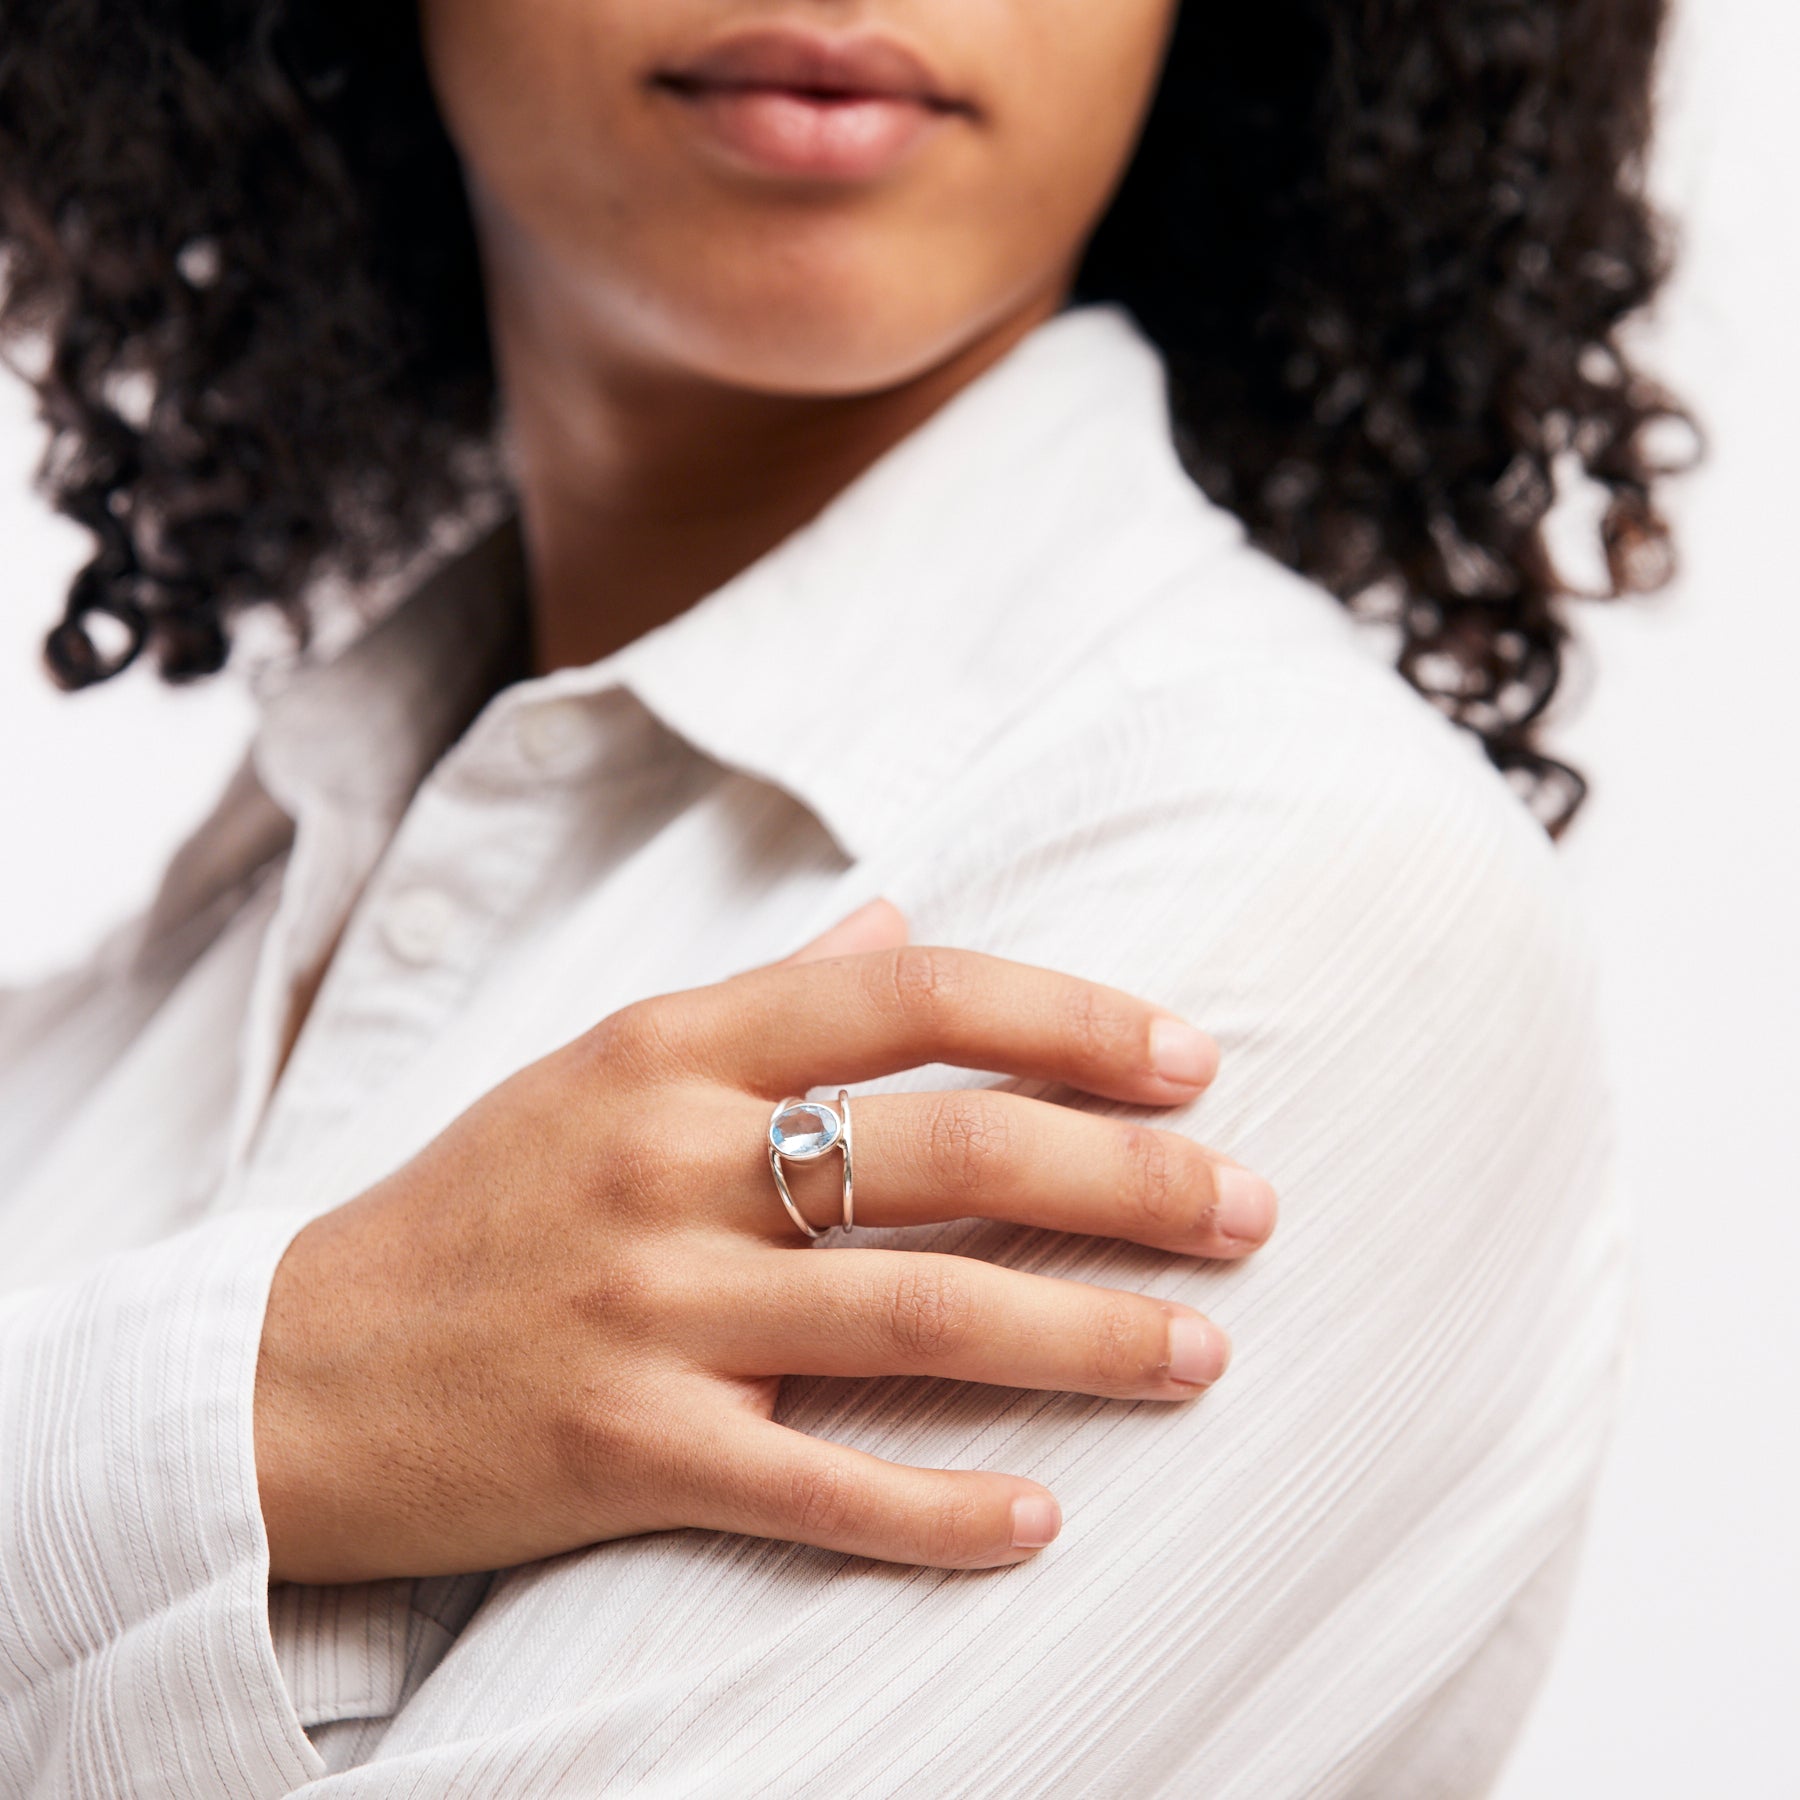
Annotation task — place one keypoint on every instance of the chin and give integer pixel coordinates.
(839, 357)
(819, 335)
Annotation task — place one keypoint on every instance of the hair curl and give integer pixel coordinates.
(1387, 247)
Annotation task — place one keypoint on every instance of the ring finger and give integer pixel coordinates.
(980, 1152)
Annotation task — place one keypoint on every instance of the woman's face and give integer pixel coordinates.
(793, 196)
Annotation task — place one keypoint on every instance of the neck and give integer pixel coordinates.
(642, 488)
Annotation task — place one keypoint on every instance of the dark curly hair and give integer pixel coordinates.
(1387, 247)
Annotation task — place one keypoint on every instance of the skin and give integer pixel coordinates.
(696, 357)
(548, 1330)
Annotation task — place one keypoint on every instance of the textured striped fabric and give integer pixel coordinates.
(1063, 714)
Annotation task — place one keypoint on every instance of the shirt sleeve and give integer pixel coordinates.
(135, 1651)
(1334, 881)
(1334, 1575)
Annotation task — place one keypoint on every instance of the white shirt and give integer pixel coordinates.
(1025, 681)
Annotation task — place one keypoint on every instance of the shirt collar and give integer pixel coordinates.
(863, 661)
(363, 729)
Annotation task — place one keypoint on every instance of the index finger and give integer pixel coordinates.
(876, 925)
(787, 1028)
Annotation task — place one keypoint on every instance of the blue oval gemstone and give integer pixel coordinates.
(804, 1131)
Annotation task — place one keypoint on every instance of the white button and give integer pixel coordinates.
(556, 735)
(418, 923)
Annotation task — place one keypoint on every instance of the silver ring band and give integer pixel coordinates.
(803, 1131)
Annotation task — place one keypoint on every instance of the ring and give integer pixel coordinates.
(803, 1131)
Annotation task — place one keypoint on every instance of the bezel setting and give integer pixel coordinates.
(805, 1130)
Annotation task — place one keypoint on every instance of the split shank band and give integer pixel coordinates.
(804, 1131)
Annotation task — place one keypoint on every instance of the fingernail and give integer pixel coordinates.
(1181, 1055)
(1036, 1519)
(1246, 1208)
(1198, 1350)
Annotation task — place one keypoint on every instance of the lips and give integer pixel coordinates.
(801, 106)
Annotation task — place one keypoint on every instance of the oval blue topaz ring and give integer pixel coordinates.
(803, 1131)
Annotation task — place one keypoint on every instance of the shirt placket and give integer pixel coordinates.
(442, 896)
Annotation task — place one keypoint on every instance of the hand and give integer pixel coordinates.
(567, 1318)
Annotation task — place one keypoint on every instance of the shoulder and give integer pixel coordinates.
(1286, 845)
(1238, 737)
(1240, 812)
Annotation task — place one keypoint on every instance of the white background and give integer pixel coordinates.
(1679, 1671)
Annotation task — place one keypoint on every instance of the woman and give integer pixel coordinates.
(417, 1192)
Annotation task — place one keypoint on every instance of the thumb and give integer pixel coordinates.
(878, 925)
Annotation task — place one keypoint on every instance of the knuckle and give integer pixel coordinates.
(823, 1501)
(592, 1439)
(932, 1309)
(950, 1529)
(923, 982)
(662, 1158)
(1156, 1180)
(1096, 1030)
(969, 1140)
(638, 1039)
(617, 1299)
(1127, 1345)
(635, 1171)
